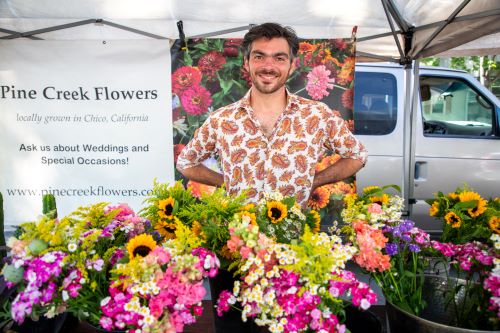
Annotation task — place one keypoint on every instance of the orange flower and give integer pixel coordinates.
(341, 188)
(381, 200)
(347, 71)
(199, 189)
(305, 47)
(326, 162)
(319, 198)
(251, 216)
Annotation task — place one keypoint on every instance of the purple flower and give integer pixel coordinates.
(391, 249)
(414, 248)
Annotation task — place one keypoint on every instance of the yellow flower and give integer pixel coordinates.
(453, 219)
(166, 229)
(317, 221)
(276, 211)
(166, 208)
(473, 196)
(381, 200)
(196, 228)
(369, 188)
(140, 245)
(494, 224)
(452, 195)
(434, 209)
(248, 207)
(253, 219)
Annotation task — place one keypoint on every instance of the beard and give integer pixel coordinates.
(266, 87)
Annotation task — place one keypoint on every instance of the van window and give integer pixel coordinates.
(375, 103)
(451, 107)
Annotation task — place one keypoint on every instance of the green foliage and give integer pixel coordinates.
(213, 213)
(49, 205)
(161, 191)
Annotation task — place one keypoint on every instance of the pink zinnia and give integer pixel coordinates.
(318, 81)
(185, 77)
(196, 100)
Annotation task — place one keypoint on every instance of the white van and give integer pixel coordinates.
(456, 134)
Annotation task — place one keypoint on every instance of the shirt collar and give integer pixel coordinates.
(291, 106)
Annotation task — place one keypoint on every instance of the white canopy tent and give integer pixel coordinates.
(401, 31)
(397, 30)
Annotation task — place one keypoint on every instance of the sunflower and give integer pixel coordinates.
(166, 208)
(473, 196)
(381, 200)
(494, 224)
(140, 246)
(370, 188)
(317, 221)
(452, 195)
(276, 211)
(434, 209)
(319, 198)
(453, 219)
(166, 229)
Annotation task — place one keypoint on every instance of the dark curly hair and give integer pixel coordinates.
(270, 30)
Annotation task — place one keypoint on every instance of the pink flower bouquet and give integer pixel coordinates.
(293, 287)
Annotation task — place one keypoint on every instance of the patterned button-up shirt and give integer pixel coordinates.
(284, 161)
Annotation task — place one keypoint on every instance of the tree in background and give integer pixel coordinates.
(485, 68)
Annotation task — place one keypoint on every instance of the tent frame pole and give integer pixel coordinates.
(441, 27)
(389, 19)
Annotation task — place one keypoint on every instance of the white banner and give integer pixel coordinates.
(87, 121)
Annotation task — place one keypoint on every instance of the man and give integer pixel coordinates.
(271, 140)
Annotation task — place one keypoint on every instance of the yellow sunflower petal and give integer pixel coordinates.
(276, 211)
(140, 246)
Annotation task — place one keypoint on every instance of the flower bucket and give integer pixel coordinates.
(230, 321)
(435, 318)
(42, 325)
(358, 321)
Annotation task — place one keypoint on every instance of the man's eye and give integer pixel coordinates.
(280, 59)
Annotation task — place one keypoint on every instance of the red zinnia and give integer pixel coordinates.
(196, 100)
(347, 98)
(210, 63)
(231, 47)
(184, 78)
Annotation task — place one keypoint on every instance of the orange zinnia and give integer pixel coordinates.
(198, 189)
(319, 198)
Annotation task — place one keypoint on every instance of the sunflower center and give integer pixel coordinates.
(275, 213)
(142, 251)
(474, 210)
(168, 210)
(169, 229)
(454, 219)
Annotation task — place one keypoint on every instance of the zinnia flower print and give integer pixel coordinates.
(196, 100)
(185, 77)
(210, 63)
(318, 82)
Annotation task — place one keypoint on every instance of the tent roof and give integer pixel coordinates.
(424, 21)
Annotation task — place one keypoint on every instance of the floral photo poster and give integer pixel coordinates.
(208, 74)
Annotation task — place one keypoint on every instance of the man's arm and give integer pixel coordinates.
(341, 169)
(204, 175)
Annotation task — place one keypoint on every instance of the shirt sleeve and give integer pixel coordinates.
(341, 141)
(201, 146)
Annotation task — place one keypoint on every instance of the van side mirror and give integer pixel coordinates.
(425, 92)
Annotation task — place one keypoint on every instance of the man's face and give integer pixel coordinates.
(269, 64)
